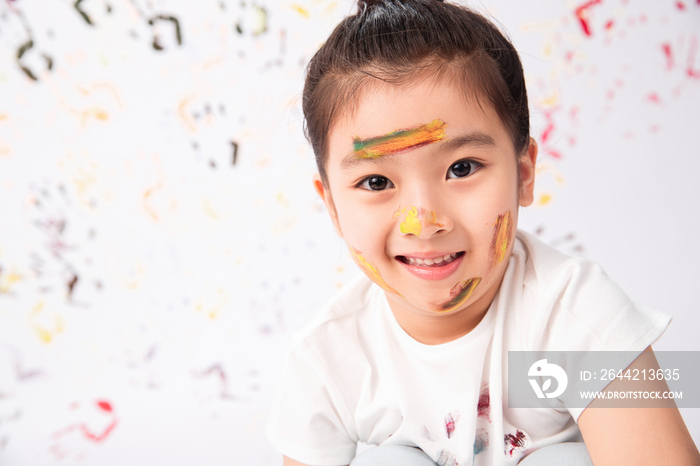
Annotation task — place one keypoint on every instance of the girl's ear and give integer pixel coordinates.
(324, 193)
(526, 167)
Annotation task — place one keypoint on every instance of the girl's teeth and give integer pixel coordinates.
(447, 258)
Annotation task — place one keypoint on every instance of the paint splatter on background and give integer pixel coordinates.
(160, 242)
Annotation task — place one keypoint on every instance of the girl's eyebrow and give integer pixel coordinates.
(476, 139)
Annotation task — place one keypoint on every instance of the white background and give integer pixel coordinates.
(116, 168)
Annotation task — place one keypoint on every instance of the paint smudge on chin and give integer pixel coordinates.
(481, 441)
(502, 232)
(460, 294)
(398, 141)
(515, 441)
(484, 406)
(371, 271)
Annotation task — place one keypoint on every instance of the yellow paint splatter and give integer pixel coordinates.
(45, 333)
(301, 10)
(544, 167)
(184, 116)
(543, 199)
(7, 279)
(371, 271)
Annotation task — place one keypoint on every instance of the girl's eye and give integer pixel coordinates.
(376, 183)
(463, 168)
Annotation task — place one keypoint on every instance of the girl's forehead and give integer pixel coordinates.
(418, 110)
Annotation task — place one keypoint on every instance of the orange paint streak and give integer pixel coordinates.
(400, 140)
(502, 232)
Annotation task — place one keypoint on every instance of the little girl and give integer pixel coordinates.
(418, 116)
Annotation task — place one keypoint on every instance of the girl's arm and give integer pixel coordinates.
(640, 436)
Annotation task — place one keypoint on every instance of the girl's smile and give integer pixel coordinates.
(432, 266)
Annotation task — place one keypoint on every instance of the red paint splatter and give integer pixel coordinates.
(105, 406)
(514, 442)
(654, 98)
(582, 15)
(643, 18)
(680, 6)
(483, 409)
(609, 25)
(610, 95)
(97, 437)
(449, 425)
(548, 129)
(554, 153)
(691, 71)
(666, 47)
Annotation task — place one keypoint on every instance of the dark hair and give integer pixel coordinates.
(398, 40)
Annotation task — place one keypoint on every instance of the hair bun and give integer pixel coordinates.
(369, 3)
(363, 4)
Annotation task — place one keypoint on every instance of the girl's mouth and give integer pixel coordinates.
(439, 261)
(434, 268)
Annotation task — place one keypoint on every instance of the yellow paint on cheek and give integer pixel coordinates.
(502, 231)
(460, 294)
(371, 271)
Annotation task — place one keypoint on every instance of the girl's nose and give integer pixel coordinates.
(419, 221)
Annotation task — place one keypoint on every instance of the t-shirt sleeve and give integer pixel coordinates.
(309, 419)
(582, 309)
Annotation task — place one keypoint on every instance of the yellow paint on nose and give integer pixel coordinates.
(411, 224)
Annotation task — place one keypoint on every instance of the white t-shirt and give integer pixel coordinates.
(353, 374)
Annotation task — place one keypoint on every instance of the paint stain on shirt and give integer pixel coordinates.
(481, 441)
(451, 423)
(514, 441)
(484, 406)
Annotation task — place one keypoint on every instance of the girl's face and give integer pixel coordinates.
(423, 186)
